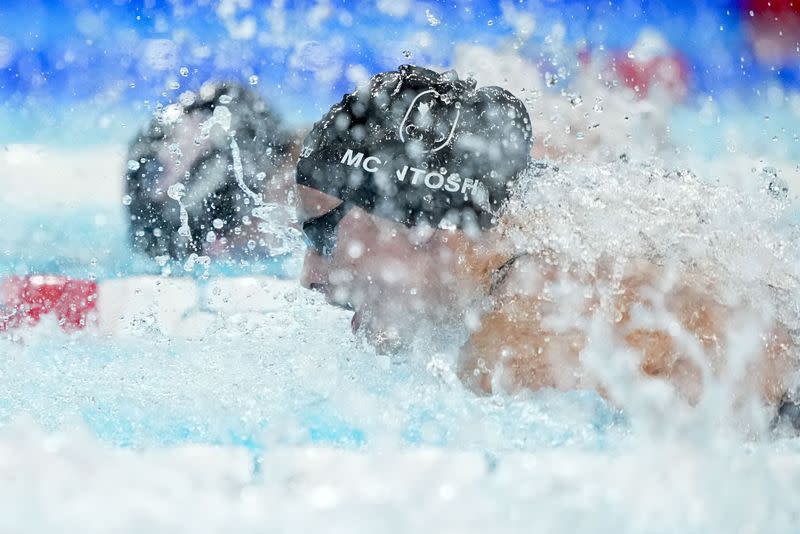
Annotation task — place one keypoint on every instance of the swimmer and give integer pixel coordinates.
(395, 183)
(185, 195)
(401, 188)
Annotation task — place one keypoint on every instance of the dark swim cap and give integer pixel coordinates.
(418, 146)
(188, 144)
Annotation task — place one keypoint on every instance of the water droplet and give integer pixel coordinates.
(184, 71)
(778, 188)
(174, 85)
(550, 79)
(225, 99)
(580, 136)
(752, 14)
(187, 98)
(133, 165)
(432, 20)
(126, 200)
(211, 237)
(407, 54)
(176, 191)
(253, 80)
(251, 244)
(490, 22)
(260, 176)
(631, 55)
(575, 100)
(218, 223)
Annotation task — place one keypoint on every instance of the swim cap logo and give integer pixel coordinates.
(430, 120)
(450, 182)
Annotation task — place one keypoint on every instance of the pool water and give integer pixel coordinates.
(284, 421)
(287, 421)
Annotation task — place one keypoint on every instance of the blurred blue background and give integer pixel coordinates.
(79, 71)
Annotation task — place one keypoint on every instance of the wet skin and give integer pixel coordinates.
(400, 280)
(397, 280)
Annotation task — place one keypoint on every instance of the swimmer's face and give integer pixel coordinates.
(397, 280)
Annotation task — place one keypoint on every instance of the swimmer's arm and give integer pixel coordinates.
(512, 349)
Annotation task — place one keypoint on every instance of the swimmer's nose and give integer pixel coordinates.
(315, 272)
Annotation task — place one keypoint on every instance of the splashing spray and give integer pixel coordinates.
(284, 238)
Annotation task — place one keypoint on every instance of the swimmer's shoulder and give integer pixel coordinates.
(523, 274)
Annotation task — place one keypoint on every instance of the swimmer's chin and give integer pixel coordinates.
(385, 342)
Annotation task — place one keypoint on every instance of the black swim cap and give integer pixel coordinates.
(188, 144)
(418, 146)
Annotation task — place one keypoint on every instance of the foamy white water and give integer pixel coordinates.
(291, 424)
(73, 483)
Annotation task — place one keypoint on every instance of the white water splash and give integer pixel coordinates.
(278, 221)
(221, 117)
(177, 192)
(743, 245)
(239, 172)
